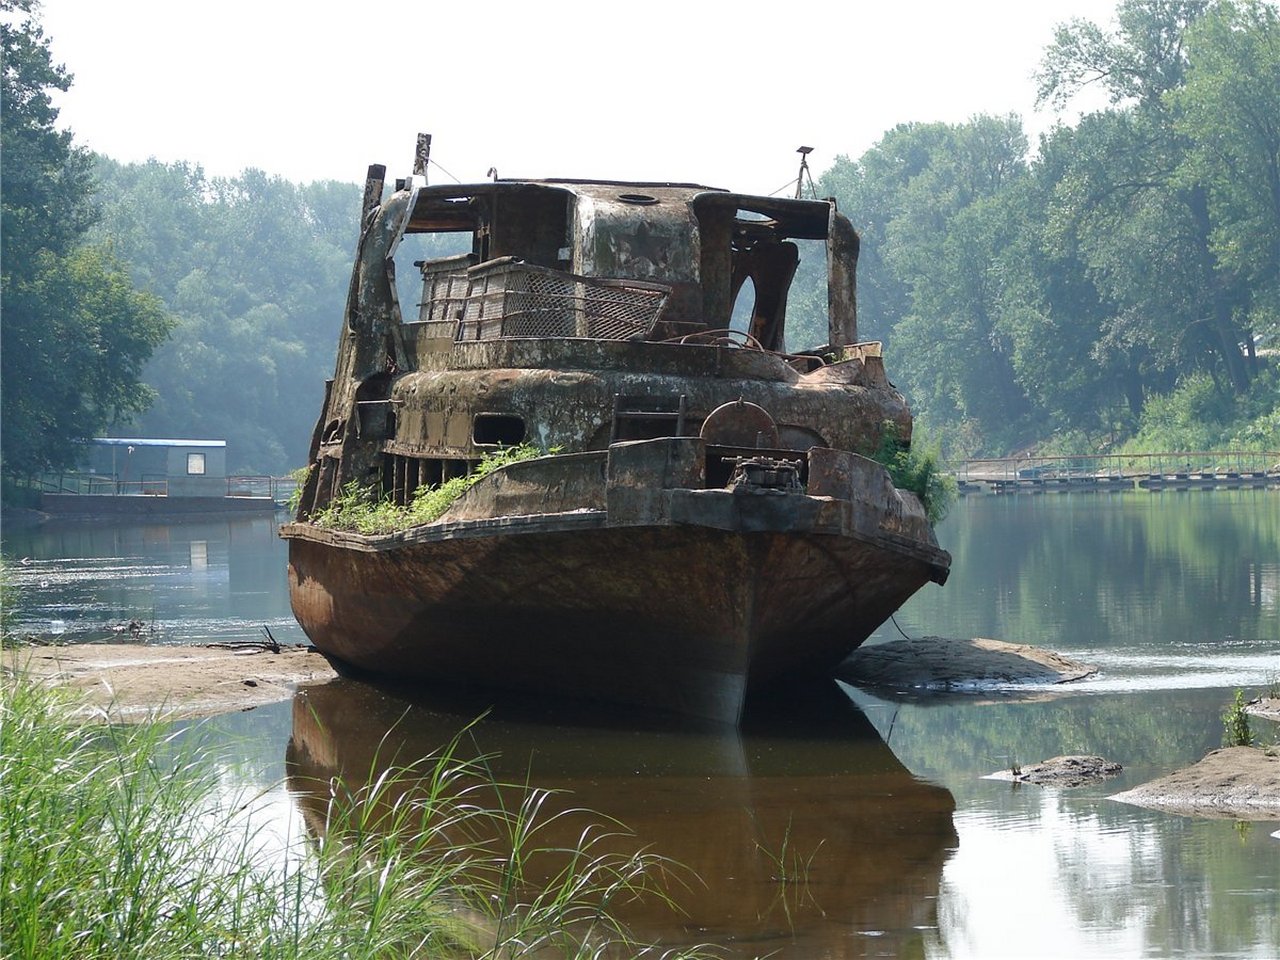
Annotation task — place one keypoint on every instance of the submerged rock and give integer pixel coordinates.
(1068, 771)
(939, 663)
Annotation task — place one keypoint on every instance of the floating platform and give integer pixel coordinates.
(1121, 483)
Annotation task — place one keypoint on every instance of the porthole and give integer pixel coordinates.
(497, 429)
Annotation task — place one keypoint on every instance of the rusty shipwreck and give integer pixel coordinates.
(703, 523)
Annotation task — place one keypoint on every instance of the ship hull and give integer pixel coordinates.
(687, 614)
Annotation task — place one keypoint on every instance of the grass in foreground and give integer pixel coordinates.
(115, 842)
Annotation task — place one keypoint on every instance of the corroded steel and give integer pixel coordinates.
(703, 523)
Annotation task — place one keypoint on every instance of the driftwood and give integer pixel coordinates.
(269, 644)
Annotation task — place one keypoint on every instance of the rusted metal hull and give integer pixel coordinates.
(671, 616)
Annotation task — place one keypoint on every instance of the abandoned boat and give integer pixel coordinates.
(702, 523)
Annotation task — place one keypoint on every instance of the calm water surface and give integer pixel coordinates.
(835, 823)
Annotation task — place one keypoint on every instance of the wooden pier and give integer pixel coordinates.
(1213, 470)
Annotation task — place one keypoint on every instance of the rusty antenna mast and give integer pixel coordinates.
(804, 172)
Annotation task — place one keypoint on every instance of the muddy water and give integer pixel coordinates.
(840, 823)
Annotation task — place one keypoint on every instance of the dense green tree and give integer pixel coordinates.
(255, 269)
(1047, 310)
(75, 332)
(1144, 219)
(950, 239)
(871, 192)
(1229, 108)
(1139, 63)
(1130, 260)
(926, 200)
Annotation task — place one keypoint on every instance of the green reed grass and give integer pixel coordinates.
(791, 870)
(119, 842)
(1236, 730)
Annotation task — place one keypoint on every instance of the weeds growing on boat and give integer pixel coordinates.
(120, 842)
(299, 478)
(1235, 724)
(356, 509)
(917, 469)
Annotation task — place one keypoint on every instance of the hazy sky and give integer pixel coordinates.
(710, 92)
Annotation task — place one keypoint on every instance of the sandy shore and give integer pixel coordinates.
(1267, 707)
(137, 681)
(1238, 783)
(134, 681)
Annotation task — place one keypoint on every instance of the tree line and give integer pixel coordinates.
(1117, 285)
(1120, 284)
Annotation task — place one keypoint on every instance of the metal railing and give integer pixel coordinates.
(253, 486)
(108, 485)
(101, 485)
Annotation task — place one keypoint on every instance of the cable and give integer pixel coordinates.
(443, 170)
(785, 186)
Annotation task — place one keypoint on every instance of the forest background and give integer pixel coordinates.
(1114, 288)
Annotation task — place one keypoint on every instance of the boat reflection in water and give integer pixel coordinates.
(805, 783)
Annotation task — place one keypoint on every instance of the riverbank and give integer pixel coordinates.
(1237, 783)
(131, 681)
(138, 682)
(134, 682)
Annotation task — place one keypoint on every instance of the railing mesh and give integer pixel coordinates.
(513, 299)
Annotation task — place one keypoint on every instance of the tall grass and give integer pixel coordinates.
(116, 842)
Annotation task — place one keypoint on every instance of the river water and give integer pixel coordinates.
(836, 823)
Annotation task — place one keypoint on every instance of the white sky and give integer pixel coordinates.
(709, 92)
